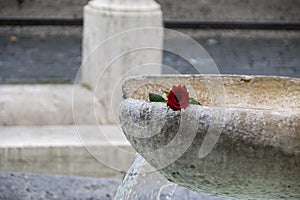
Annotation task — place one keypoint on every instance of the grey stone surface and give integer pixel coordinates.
(252, 10)
(204, 9)
(43, 58)
(20, 186)
(25, 186)
(32, 59)
(64, 104)
(182, 193)
(66, 150)
(245, 52)
(40, 8)
(255, 134)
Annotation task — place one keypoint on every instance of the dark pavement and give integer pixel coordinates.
(26, 186)
(57, 58)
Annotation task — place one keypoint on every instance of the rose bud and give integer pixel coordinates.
(178, 98)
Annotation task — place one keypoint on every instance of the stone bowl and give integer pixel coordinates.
(243, 142)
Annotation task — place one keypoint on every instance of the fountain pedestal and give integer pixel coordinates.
(142, 181)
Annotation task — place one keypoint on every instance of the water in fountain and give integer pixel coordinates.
(142, 182)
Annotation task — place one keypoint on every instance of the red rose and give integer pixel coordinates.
(178, 98)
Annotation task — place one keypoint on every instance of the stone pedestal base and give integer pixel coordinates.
(117, 41)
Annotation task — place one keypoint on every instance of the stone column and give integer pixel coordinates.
(112, 49)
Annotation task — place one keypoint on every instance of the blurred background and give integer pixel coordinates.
(34, 50)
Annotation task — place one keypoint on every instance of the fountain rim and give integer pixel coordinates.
(140, 77)
(287, 115)
(288, 111)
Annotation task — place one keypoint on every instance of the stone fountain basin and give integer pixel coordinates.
(257, 155)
